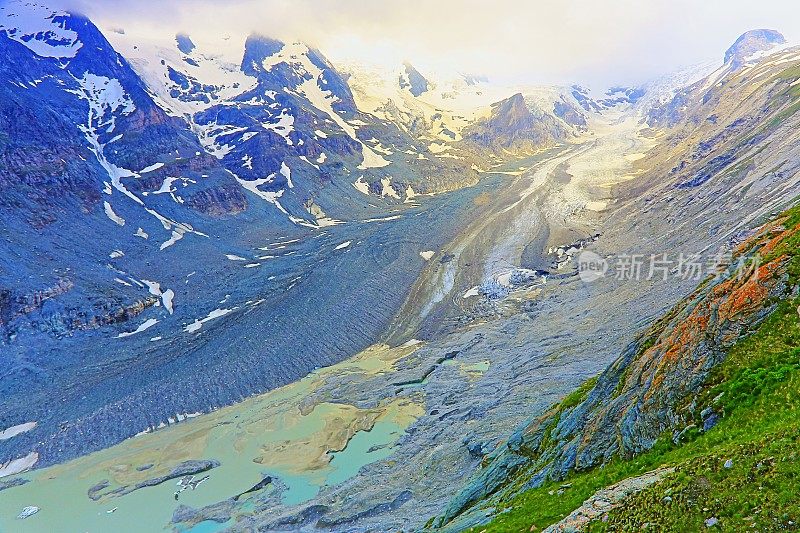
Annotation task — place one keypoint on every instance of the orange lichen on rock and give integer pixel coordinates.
(776, 241)
(751, 295)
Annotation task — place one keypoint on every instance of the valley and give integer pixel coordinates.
(382, 391)
(245, 287)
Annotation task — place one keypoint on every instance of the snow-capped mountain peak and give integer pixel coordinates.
(46, 32)
(410, 78)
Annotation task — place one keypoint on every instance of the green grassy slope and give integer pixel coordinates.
(756, 389)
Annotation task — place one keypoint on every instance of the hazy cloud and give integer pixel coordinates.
(542, 41)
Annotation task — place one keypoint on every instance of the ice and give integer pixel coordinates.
(217, 62)
(446, 108)
(233, 257)
(427, 255)
(150, 322)
(321, 134)
(343, 245)
(140, 233)
(13, 431)
(116, 254)
(321, 158)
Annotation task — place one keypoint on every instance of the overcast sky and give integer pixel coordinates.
(595, 42)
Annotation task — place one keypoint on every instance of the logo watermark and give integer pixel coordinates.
(591, 266)
(663, 267)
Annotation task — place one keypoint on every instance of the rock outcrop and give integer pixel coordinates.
(752, 42)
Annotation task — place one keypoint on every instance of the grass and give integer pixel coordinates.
(757, 389)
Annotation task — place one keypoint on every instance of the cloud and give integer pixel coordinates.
(537, 42)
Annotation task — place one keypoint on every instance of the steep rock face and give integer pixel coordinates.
(84, 149)
(60, 171)
(515, 125)
(411, 79)
(752, 42)
(646, 391)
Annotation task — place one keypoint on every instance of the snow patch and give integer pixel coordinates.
(40, 29)
(13, 431)
(361, 185)
(198, 323)
(19, 465)
(283, 127)
(150, 322)
(387, 189)
(287, 173)
(151, 168)
(166, 296)
(311, 89)
(112, 215)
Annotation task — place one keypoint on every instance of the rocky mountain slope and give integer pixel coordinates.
(719, 358)
(172, 211)
(667, 386)
(178, 215)
(468, 118)
(283, 120)
(517, 126)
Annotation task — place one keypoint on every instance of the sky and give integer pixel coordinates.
(598, 43)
